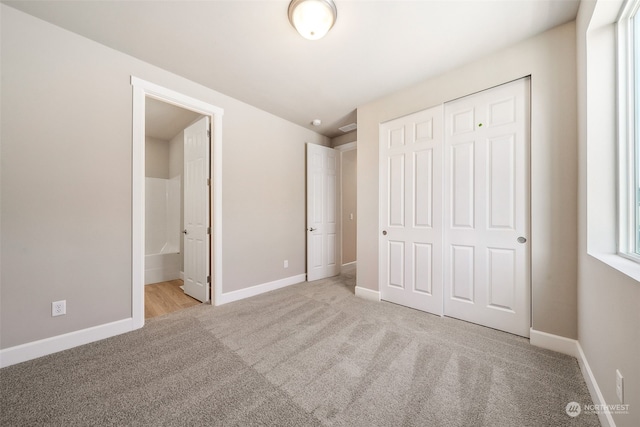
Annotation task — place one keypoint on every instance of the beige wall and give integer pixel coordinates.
(608, 300)
(176, 155)
(66, 182)
(176, 167)
(349, 196)
(344, 139)
(550, 59)
(156, 158)
(349, 205)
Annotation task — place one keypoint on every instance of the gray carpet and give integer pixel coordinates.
(307, 355)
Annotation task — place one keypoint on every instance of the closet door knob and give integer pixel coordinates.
(522, 239)
(384, 232)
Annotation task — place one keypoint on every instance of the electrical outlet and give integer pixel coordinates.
(286, 263)
(58, 308)
(620, 386)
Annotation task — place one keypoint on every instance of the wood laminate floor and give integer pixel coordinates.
(165, 297)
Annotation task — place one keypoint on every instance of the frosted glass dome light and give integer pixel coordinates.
(312, 18)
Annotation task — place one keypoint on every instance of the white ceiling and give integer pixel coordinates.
(248, 49)
(164, 121)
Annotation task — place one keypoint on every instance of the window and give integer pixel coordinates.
(629, 129)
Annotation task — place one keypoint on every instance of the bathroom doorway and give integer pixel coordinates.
(165, 126)
(208, 165)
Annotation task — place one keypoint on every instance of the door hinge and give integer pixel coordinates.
(209, 182)
(208, 133)
(208, 230)
(208, 279)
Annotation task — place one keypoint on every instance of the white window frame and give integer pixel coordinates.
(629, 166)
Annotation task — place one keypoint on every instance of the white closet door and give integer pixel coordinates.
(410, 247)
(486, 220)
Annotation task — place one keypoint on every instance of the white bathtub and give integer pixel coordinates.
(161, 267)
(162, 230)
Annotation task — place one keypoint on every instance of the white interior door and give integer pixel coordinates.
(323, 214)
(411, 211)
(486, 221)
(196, 210)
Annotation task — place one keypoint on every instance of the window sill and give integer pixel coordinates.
(623, 265)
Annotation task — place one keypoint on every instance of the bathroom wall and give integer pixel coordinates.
(156, 158)
(163, 210)
(163, 198)
(176, 168)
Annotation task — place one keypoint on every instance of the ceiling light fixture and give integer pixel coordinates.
(312, 18)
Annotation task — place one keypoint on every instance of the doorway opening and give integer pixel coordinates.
(165, 256)
(176, 199)
(349, 205)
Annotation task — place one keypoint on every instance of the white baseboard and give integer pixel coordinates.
(605, 417)
(554, 342)
(22, 353)
(367, 294)
(259, 289)
(573, 348)
(350, 264)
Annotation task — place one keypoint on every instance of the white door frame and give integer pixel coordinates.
(141, 90)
